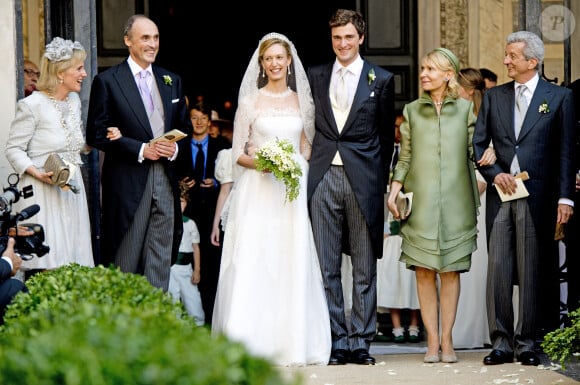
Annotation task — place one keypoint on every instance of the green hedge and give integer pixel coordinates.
(563, 345)
(99, 326)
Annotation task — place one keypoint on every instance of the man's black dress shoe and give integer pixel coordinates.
(338, 357)
(529, 358)
(496, 357)
(361, 357)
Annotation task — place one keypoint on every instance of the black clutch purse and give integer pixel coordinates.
(60, 170)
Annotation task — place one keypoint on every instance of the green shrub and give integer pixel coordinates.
(562, 345)
(99, 326)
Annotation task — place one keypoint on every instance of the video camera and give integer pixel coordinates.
(27, 246)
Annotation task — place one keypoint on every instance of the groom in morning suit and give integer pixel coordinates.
(347, 180)
(141, 222)
(521, 231)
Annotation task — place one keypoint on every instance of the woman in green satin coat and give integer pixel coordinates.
(436, 164)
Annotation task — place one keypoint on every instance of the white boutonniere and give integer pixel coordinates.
(372, 76)
(167, 79)
(544, 108)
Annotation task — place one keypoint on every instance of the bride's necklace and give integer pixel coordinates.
(282, 94)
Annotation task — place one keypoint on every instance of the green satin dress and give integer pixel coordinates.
(436, 164)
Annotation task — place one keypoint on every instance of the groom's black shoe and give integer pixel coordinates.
(338, 357)
(496, 357)
(529, 358)
(361, 357)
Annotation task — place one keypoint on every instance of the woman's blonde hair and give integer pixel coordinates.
(49, 70)
(445, 61)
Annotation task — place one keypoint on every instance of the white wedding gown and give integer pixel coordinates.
(270, 293)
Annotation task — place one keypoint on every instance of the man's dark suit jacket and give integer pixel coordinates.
(115, 102)
(545, 149)
(8, 287)
(365, 143)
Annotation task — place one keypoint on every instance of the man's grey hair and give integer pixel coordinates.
(533, 45)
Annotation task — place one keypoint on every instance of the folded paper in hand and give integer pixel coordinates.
(521, 190)
(171, 136)
(404, 204)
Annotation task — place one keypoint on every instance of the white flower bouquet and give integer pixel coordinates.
(276, 156)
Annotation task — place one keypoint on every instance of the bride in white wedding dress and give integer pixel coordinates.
(270, 294)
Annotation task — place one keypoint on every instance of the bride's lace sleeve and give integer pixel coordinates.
(242, 128)
(305, 146)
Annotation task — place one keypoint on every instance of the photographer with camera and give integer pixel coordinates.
(9, 286)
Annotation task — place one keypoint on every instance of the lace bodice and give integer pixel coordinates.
(265, 116)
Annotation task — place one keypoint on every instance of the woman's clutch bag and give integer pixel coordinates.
(60, 170)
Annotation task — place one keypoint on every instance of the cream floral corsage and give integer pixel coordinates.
(167, 79)
(372, 76)
(544, 108)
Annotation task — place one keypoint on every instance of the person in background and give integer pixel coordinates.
(436, 165)
(49, 121)
(218, 125)
(355, 120)
(471, 86)
(9, 286)
(214, 130)
(269, 258)
(186, 271)
(141, 223)
(223, 127)
(489, 77)
(203, 190)
(223, 173)
(532, 125)
(396, 285)
(31, 75)
(471, 329)
(227, 131)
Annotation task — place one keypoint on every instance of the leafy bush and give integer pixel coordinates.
(562, 345)
(99, 326)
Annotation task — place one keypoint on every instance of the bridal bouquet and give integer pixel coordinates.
(276, 156)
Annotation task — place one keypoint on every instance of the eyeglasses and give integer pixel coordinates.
(30, 72)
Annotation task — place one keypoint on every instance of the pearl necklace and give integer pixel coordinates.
(73, 142)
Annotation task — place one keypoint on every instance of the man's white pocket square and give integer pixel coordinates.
(175, 100)
(373, 94)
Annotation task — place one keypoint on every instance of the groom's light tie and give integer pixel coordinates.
(145, 91)
(341, 91)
